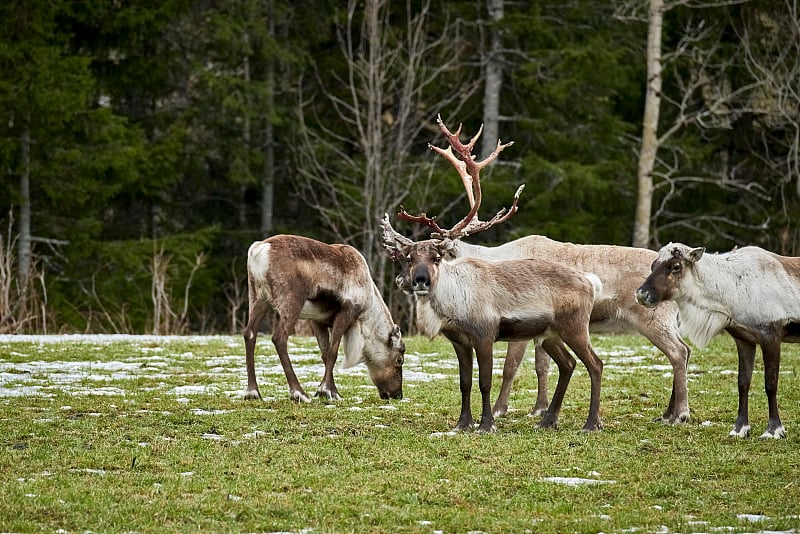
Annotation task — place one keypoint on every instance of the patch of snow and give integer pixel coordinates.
(576, 481)
(88, 470)
(198, 411)
(753, 518)
(194, 390)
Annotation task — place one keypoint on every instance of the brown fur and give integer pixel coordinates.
(330, 285)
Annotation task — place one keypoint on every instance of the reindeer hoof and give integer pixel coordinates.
(463, 426)
(486, 430)
(331, 395)
(537, 412)
(500, 411)
(252, 394)
(592, 427)
(777, 433)
(549, 422)
(743, 432)
(299, 396)
(673, 418)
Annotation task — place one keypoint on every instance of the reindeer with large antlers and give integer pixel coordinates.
(474, 302)
(615, 310)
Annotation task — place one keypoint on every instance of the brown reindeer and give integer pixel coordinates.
(615, 310)
(331, 286)
(751, 293)
(475, 303)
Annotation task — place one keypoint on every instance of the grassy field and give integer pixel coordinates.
(147, 434)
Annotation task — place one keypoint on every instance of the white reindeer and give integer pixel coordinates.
(751, 293)
(331, 286)
(615, 310)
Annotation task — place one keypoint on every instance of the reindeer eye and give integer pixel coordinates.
(676, 268)
(437, 260)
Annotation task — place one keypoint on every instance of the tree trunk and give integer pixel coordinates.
(268, 176)
(24, 238)
(373, 138)
(493, 81)
(652, 104)
(246, 135)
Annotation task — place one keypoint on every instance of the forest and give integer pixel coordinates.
(145, 145)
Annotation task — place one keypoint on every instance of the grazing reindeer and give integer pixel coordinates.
(751, 293)
(331, 286)
(475, 303)
(615, 310)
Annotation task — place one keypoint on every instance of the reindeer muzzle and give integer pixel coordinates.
(646, 298)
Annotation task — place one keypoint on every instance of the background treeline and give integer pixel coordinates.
(145, 145)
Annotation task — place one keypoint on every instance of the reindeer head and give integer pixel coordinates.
(401, 248)
(674, 263)
(421, 266)
(386, 368)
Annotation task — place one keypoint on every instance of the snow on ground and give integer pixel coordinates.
(151, 360)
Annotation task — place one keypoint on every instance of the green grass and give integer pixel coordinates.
(152, 435)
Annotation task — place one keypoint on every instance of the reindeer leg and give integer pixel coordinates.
(747, 356)
(771, 351)
(542, 359)
(258, 310)
(583, 349)
(514, 356)
(464, 354)
(288, 315)
(566, 365)
(677, 352)
(341, 324)
(322, 334)
(280, 338)
(485, 357)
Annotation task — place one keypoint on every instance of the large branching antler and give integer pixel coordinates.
(460, 156)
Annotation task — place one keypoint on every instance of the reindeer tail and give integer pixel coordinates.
(596, 283)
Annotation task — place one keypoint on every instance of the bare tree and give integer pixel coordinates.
(354, 171)
(493, 80)
(771, 43)
(704, 99)
(652, 107)
(166, 319)
(23, 296)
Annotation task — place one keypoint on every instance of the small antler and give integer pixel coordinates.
(460, 156)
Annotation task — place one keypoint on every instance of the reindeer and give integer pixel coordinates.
(475, 303)
(615, 310)
(331, 286)
(751, 293)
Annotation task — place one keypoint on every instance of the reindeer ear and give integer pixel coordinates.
(396, 338)
(447, 247)
(695, 254)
